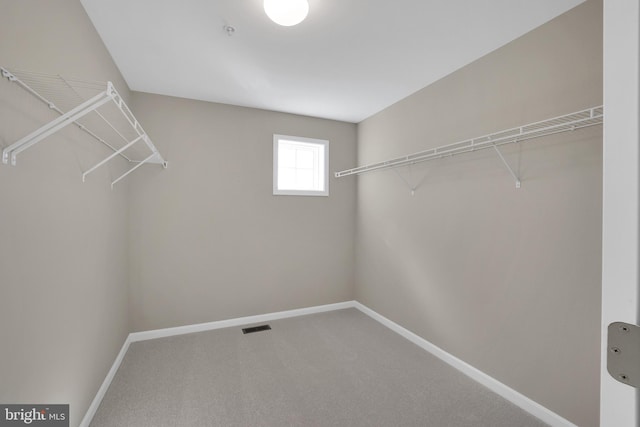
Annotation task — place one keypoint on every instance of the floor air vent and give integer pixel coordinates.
(256, 329)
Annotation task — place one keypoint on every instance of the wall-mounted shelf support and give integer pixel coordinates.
(411, 186)
(568, 122)
(115, 153)
(151, 159)
(513, 174)
(119, 119)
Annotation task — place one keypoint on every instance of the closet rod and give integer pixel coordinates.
(568, 122)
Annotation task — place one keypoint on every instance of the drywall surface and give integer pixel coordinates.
(63, 261)
(506, 279)
(209, 240)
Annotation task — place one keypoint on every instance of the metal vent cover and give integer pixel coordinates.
(256, 329)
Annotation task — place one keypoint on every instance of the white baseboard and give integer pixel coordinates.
(88, 416)
(209, 326)
(491, 383)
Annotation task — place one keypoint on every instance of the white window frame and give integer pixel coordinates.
(325, 146)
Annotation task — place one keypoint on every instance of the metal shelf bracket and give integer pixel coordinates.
(412, 187)
(513, 174)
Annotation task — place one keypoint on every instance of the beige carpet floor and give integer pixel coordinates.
(339, 368)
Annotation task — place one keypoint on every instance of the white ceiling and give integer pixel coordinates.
(348, 60)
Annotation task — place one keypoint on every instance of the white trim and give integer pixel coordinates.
(620, 403)
(491, 383)
(200, 327)
(88, 416)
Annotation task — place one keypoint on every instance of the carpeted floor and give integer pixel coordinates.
(339, 368)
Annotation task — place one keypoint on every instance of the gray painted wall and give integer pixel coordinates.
(63, 260)
(209, 241)
(507, 280)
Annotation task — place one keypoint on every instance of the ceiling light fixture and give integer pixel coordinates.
(286, 12)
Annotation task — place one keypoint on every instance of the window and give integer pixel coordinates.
(300, 166)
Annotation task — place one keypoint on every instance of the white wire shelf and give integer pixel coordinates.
(94, 107)
(568, 122)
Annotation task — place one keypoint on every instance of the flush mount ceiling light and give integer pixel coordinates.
(286, 12)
